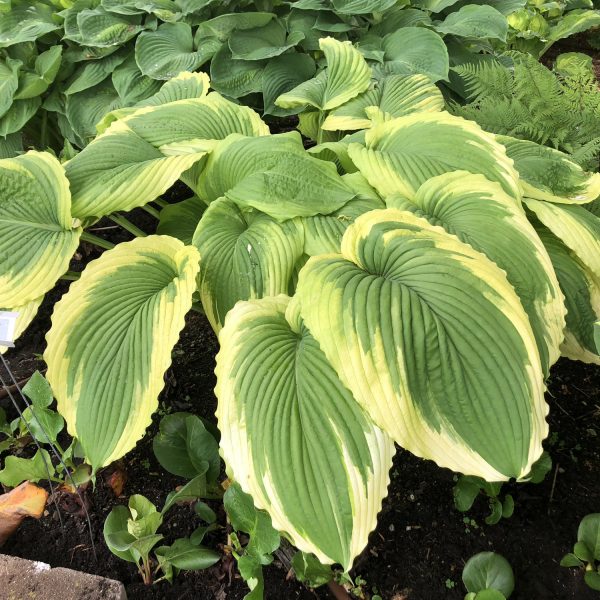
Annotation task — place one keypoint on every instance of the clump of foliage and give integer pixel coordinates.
(61, 71)
(39, 425)
(186, 448)
(527, 100)
(131, 533)
(537, 25)
(469, 488)
(488, 576)
(586, 551)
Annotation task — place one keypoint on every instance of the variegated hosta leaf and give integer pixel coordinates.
(111, 341)
(125, 167)
(575, 226)
(186, 85)
(243, 255)
(323, 233)
(293, 435)
(548, 174)
(346, 76)
(432, 341)
(27, 313)
(338, 151)
(120, 170)
(481, 214)
(274, 175)
(581, 289)
(208, 118)
(394, 96)
(401, 154)
(38, 235)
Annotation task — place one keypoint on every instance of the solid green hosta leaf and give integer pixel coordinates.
(26, 21)
(111, 341)
(475, 21)
(17, 115)
(38, 235)
(582, 299)
(401, 154)
(360, 7)
(575, 226)
(164, 53)
(393, 96)
(131, 84)
(127, 157)
(243, 255)
(281, 74)
(46, 66)
(293, 435)
(99, 28)
(262, 42)
(415, 50)
(235, 78)
(346, 76)
(417, 324)
(183, 87)
(481, 214)
(11, 145)
(180, 220)
(27, 313)
(93, 72)
(220, 28)
(9, 82)
(398, 18)
(548, 174)
(85, 109)
(434, 6)
(274, 175)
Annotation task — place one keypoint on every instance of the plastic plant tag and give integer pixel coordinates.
(8, 322)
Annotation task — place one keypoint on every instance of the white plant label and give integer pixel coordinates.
(8, 324)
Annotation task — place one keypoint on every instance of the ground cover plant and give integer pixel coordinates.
(371, 287)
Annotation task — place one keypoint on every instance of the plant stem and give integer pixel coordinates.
(152, 211)
(197, 307)
(127, 225)
(86, 236)
(71, 276)
(162, 203)
(44, 130)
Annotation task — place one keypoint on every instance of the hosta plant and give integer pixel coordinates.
(382, 288)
